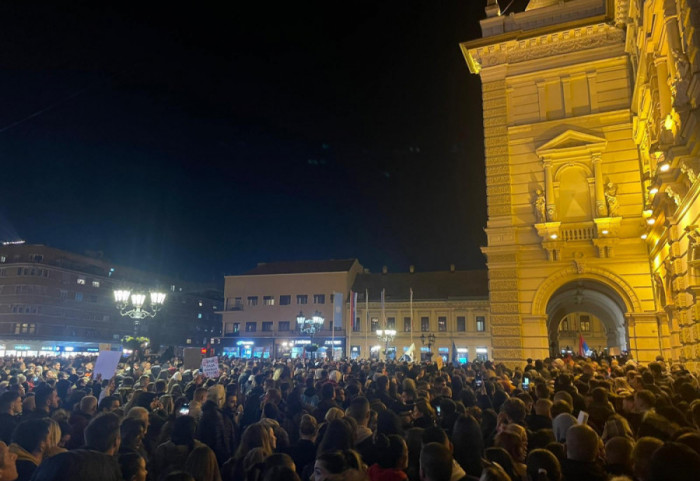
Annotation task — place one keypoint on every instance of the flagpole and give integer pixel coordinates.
(411, 302)
(367, 324)
(352, 324)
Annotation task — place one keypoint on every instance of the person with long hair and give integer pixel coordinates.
(256, 435)
(392, 459)
(202, 465)
(172, 454)
(423, 414)
(468, 444)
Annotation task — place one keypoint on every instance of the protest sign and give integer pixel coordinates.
(106, 364)
(192, 358)
(210, 366)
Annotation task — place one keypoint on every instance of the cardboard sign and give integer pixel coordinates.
(192, 358)
(106, 364)
(210, 366)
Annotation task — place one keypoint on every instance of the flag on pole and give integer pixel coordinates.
(353, 307)
(454, 352)
(383, 317)
(410, 351)
(582, 346)
(337, 310)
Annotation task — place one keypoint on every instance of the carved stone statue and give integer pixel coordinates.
(611, 199)
(678, 83)
(673, 195)
(540, 206)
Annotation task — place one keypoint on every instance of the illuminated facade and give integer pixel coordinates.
(591, 173)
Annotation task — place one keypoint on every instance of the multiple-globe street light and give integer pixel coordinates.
(428, 340)
(134, 305)
(386, 336)
(310, 325)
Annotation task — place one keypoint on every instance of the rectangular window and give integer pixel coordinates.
(480, 323)
(81, 281)
(3, 259)
(442, 323)
(267, 326)
(302, 299)
(199, 315)
(284, 325)
(356, 326)
(374, 324)
(236, 327)
(564, 325)
(585, 322)
(63, 293)
(285, 300)
(406, 324)
(391, 323)
(78, 296)
(251, 326)
(319, 298)
(269, 300)
(252, 300)
(25, 328)
(461, 323)
(425, 324)
(95, 283)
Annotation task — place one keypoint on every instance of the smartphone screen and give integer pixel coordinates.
(184, 410)
(526, 384)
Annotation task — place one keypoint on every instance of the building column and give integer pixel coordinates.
(549, 191)
(601, 207)
(665, 98)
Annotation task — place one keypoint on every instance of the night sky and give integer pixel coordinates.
(197, 139)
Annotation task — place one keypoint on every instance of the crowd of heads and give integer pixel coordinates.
(355, 420)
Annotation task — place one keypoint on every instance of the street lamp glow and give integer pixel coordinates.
(664, 167)
(137, 300)
(121, 295)
(157, 298)
(654, 190)
(644, 236)
(605, 232)
(553, 236)
(651, 221)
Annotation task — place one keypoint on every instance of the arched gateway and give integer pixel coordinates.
(566, 246)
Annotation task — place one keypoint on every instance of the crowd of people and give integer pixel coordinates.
(349, 420)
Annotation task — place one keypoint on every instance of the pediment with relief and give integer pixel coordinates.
(572, 141)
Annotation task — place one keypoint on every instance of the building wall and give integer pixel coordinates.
(564, 188)
(49, 295)
(663, 45)
(363, 336)
(238, 309)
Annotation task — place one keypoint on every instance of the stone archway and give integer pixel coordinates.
(603, 309)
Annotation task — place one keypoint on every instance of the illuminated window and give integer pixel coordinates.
(302, 299)
(25, 328)
(78, 296)
(199, 315)
(3, 259)
(406, 324)
(425, 324)
(585, 322)
(252, 300)
(236, 327)
(564, 325)
(480, 323)
(391, 323)
(374, 324)
(81, 281)
(285, 300)
(461, 323)
(269, 300)
(251, 326)
(442, 323)
(319, 298)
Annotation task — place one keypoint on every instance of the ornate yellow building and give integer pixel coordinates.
(591, 168)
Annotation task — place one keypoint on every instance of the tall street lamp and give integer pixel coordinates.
(428, 340)
(134, 305)
(310, 325)
(386, 336)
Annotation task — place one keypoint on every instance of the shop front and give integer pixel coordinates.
(296, 348)
(52, 349)
(250, 348)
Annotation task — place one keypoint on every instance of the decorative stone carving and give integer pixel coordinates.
(689, 172)
(611, 199)
(678, 83)
(540, 206)
(673, 195)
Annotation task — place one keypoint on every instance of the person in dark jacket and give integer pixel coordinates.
(304, 451)
(29, 441)
(214, 429)
(581, 452)
(10, 412)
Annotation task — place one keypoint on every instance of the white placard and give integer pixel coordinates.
(210, 366)
(106, 364)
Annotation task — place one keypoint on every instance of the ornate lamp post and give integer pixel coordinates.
(134, 305)
(386, 336)
(310, 325)
(428, 340)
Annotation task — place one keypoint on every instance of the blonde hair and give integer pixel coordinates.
(217, 393)
(333, 414)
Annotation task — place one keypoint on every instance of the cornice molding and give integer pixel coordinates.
(543, 46)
